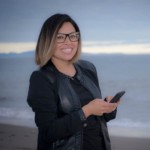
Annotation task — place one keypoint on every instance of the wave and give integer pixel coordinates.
(16, 113)
(119, 127)
(28, 114)
(128, 123)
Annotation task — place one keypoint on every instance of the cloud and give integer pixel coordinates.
(17, 47)
(116, 47)
(88, 47)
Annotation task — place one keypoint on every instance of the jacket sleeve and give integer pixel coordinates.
(44, 102)
(110, 116)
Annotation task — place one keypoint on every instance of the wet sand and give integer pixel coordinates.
(24, 138)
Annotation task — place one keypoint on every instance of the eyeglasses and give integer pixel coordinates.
(73, 37)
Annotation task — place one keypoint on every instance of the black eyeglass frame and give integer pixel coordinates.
(68, 35)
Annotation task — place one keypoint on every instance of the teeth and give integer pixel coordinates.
(67, 50)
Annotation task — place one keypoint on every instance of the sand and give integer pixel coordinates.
(24, 138)
(17, 137)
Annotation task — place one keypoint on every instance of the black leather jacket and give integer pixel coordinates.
(53, 132)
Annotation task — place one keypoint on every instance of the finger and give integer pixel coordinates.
(108, 98)
(114, 107)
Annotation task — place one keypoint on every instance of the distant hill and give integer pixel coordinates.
(87, 56)
(24, 54)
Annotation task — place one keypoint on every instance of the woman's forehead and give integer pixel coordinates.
(66, 27)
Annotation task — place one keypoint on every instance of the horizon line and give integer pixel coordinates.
(88, 47)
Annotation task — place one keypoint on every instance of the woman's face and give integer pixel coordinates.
(65, 46)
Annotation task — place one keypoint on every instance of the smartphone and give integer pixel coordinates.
(116, 98)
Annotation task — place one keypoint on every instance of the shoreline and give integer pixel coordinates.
(130, 143)
(14, 137)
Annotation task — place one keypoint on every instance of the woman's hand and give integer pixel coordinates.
(98, 107)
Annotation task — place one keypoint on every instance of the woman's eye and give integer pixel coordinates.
(60, 37)
(73, 36)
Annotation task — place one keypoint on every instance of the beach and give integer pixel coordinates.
(129, 131)
(13, 137)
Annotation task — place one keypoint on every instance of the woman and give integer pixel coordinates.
(64, 93)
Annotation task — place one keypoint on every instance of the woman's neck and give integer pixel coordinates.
(64, 67)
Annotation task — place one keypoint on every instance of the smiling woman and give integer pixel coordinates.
(64, 92)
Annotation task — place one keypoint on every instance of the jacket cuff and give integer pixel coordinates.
(82, 115)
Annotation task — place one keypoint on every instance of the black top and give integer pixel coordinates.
(92, 134)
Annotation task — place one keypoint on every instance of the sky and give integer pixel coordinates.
(107, 26)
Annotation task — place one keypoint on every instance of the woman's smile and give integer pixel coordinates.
(67, 50)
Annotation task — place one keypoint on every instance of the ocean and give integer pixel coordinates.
(116, 72)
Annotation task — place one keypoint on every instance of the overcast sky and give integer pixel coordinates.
(126, 21)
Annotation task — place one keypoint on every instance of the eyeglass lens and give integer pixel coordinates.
(61, 37)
